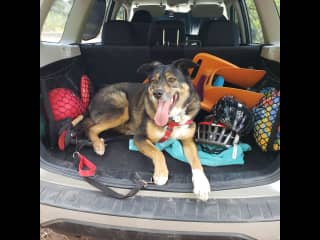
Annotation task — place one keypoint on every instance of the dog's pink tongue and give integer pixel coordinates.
(162, 115)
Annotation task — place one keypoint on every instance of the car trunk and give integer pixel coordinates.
(120, 167)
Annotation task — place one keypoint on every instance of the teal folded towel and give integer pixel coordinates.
(224, 158)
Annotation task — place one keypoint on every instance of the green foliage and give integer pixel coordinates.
(256, 29)
(121, 15)
(277, 2)
(57, 16)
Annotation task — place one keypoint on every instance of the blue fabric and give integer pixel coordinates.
(175, 150)
(218, 81)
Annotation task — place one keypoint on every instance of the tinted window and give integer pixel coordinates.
(255, 25)
(122, 14)
(56, 19)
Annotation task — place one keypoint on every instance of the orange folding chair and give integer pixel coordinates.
(211, 66)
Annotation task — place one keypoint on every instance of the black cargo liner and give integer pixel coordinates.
(120, 167)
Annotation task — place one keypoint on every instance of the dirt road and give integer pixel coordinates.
(48, 234)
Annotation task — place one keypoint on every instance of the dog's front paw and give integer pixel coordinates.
(160, 180)
(201, 185)
(99, 147)
(160, 175)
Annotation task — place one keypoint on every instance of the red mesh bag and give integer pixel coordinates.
(65, 89)
(65, 104)
(85, 90)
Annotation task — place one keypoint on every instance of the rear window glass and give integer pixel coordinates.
(255, 25)
(122, 14)
(56, 19)
(277, 2)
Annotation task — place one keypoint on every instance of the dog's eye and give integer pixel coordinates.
(154, 80)
(171, 80)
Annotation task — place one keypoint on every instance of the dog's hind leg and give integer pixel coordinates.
(103, 125)
(145, 146)
(106, 111)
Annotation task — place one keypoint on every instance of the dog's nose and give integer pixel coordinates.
(157, 93)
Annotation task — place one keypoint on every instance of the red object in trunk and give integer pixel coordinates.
(84, 90)
(65, 104)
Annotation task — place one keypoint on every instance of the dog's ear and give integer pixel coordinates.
(147, 68)
(184, 64)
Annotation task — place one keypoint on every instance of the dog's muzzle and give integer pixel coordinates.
(157, 93)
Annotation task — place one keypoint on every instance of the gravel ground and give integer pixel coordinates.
(48, 234)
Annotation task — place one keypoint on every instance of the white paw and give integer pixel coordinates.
(99, 148)
(201, 185)
(160, 180)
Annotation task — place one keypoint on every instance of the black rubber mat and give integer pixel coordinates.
(118, 163)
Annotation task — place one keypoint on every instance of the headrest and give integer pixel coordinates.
(207, 10)
(117, 33)
(220, 33)
(142, 16)
(154, 10)
(170, 23)
(171, 33)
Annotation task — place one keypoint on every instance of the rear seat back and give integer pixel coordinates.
(166, 33)
(219, 33)
(118, 58)
(201, 14)
(142, 16)
(111, 64)
(117, 33)
(140, 25)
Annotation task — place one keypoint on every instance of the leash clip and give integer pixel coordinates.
(75, 155)
(145, 182)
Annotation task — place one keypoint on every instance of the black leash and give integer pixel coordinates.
(107, 191)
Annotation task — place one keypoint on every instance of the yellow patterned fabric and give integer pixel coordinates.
(267, 120)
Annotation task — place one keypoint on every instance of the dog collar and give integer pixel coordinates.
(169, 129)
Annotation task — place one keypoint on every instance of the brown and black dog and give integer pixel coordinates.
(144, 110)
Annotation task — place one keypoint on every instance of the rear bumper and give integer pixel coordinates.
(87, 212)
(113, 227)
